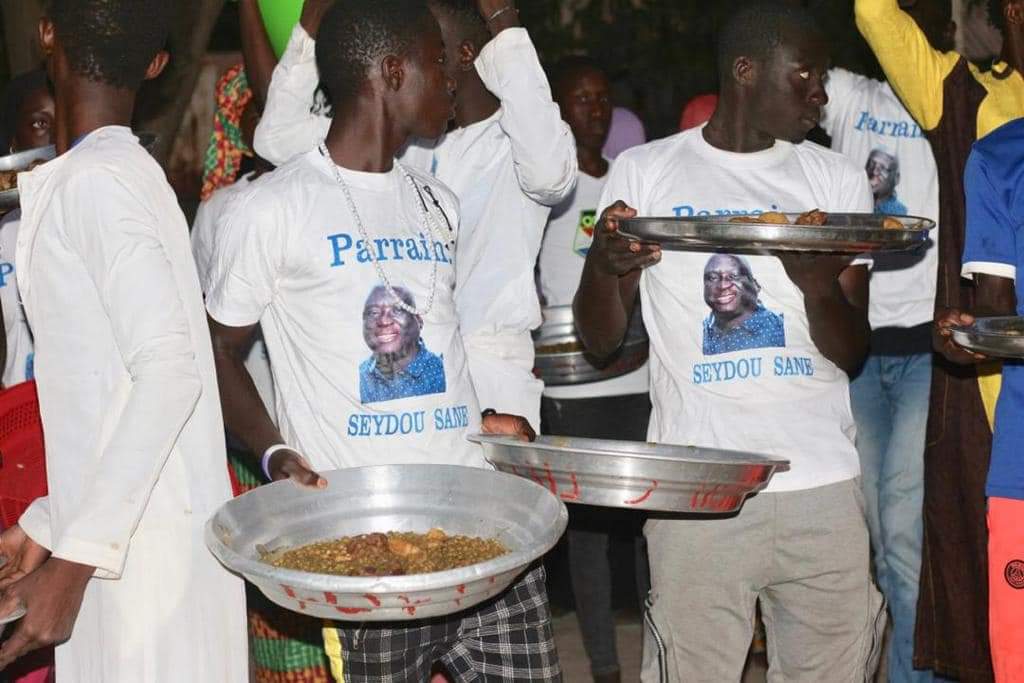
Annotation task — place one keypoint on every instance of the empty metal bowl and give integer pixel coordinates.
(633, 474)
(524, 516)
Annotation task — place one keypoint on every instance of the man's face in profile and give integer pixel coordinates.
(729, 288)
(388, 330)
(883, 174)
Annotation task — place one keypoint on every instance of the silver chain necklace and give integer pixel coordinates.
(432, 228)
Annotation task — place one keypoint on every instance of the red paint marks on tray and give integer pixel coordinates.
(353, 610)
(288, 590)
(644, 496)
(411, 611)
(461, 588)
(374, 600)
(718, 498)
(575, 493)
(302, 605)
(331, 598)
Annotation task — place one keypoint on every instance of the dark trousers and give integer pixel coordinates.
(591, 528)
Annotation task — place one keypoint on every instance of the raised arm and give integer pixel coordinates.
(913, 67)
(289, 127)
(543, 148)
(257, 53)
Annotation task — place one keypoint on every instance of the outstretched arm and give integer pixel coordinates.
(913, 67)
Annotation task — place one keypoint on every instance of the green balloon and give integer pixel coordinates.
(280, 17)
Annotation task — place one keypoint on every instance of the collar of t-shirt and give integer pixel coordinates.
(772, 156)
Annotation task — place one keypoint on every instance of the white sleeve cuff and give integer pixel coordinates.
(972, 268)
(505, 42)
(35, 522)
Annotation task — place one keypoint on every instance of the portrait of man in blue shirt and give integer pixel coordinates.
(883, 171)
(738, 320)
(401, 366)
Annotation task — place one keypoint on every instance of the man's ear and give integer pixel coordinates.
(392, 72)
(47, 36)
(157, 65)
(744, 71)
(467, 55)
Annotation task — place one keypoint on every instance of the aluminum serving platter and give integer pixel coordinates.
(524, 516)
(1001, 337)
(635, 475)
(20, 162)
(847, 233)
(10, 199)
(565, 367)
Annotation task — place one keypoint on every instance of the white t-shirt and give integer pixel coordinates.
(566, 242)
(291, 257)
(763, 386)
(204, 241)
(869, 124)
(20, 350)
(506, 170)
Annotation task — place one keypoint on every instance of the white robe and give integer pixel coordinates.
(131, 416)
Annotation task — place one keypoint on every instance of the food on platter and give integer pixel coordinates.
(388, 554)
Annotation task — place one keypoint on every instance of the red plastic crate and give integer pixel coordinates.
(22, 453)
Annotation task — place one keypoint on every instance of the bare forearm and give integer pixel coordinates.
(602, 308)
(245, 415)
(839, 329)
(256, 50)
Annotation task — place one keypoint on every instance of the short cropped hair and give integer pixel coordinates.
(569, 67)
(112, 41)
(757, 28)
(354, 34)
(471, 25)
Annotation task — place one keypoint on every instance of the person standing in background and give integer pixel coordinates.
(111, 563)
(28, 124)
(868, 123)
(954, 104)
(617, 408)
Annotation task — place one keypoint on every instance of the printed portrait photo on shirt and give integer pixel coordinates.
(883, 169)
(400, 365)
(738, 320)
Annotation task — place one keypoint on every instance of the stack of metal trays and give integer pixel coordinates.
(849, 233)
(1001, 337)
(635, 475)
(9, 199)
(561, 360)
(525, 517)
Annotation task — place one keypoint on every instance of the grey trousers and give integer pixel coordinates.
(802, 554)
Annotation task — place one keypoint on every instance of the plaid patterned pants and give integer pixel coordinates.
(508, 638)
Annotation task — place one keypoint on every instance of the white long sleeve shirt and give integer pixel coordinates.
(131, 416)
(507, 171)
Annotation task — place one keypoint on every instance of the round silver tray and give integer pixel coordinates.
(20, 162)
(559, 368)
(1001, 337)
(848, 233)
(459, 500)
(10, 199)
(633, 474)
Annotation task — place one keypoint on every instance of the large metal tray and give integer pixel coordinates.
(460, 500)
(1001, 337)
(559, 367)
(848, 233)
(635, 475)
(20, 162)
(10, 199)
